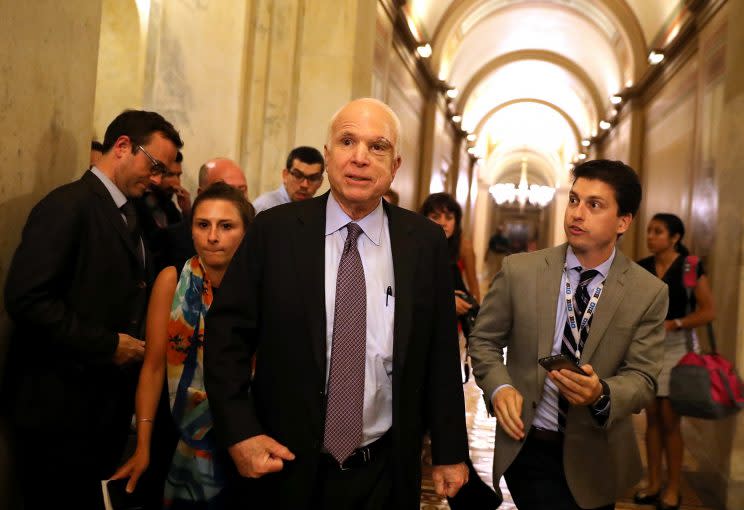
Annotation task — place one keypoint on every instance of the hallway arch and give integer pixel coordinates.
(620, 14)
(547, 56)
(562, 113)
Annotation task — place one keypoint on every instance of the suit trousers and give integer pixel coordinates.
(536, 478)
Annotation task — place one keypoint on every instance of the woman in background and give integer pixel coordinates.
(174, 347)
(686, 312)
(443, 209)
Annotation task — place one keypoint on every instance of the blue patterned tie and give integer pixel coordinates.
(568, 346)
(343, 425)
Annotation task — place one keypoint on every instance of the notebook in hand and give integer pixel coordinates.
(115, 496)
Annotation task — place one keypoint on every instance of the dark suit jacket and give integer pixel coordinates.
(272, 302)
(156, 237)
(73, 284)
(176, 245)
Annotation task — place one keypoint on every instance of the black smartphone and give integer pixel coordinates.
(558, 362)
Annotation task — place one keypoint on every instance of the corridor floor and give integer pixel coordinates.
(481, 431)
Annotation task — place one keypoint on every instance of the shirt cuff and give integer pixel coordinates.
(499, 388)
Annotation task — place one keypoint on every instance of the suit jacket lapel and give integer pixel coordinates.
(612, 295)
(309, 252)
(548, 283)
(403, 250)
(110, 211)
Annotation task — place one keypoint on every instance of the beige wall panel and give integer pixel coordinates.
(404, 97)
(617, 145)
(668, 163)
(669, 144)
(441, 161)
(49, 57)
(258, 46)
(197, 76)
(120, 80)
(280, 100)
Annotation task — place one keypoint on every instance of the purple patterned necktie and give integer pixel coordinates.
(343, 425)
(568, 346)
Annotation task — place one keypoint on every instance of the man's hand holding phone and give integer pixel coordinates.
(578, 384)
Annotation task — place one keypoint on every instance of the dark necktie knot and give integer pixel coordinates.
(130, 213)
(353, 232)
(586, 276)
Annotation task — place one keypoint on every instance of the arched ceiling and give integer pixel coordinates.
(536, 76)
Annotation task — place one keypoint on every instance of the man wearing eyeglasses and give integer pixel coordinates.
(77, 289)
(301, 178)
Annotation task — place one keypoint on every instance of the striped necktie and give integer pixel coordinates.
(568, 346)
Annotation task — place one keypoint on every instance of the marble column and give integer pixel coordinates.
(727, 437)
(308, 59)
(49, 56)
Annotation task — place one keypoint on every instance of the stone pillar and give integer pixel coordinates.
(49, 55)
(308, 58)
(726, 437)
(195, 63)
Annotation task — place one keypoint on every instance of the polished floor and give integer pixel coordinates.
(481, 431)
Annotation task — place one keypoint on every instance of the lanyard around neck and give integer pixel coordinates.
(588, 313)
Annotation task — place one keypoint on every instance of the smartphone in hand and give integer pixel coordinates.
(558, 362)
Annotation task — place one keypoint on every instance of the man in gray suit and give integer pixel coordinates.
(564, 439)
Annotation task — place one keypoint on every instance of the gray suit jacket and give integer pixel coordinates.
(624, 346)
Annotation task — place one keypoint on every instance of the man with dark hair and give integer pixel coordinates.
(565, 438)
(77, 290)
(392, 196)
(96, 151)
(302, 176)
(156, 209)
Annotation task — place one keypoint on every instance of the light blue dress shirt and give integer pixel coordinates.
(546, 414)
(271, 199)
(377, 261)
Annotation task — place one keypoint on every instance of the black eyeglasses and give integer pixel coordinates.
(157, 168)
(316, 177)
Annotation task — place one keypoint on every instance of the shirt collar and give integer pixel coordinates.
(371, 224)
(603, 269)
(119, 198)
(283, 193)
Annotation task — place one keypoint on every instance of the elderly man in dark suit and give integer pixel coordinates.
(347, 303)
(77, 289)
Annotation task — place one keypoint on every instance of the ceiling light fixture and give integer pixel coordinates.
(457, 119)
(472, 137)
(582, 156)
(452, 93)
(616, 99)
(507, 192)
(424, 51)
(655, 57)
(585, 143)
(603, 124)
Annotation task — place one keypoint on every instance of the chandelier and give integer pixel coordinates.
(507, 192)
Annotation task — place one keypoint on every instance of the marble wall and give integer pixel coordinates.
(46, 114)
(395, 80)
(195, 65)
(304, 60)
(121, 58)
